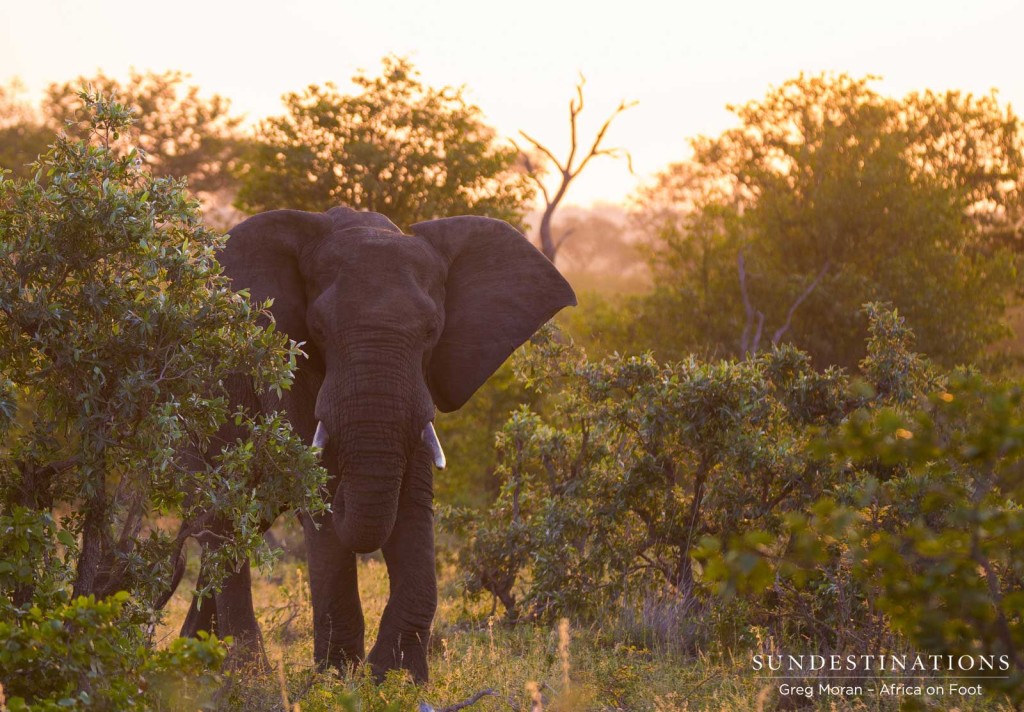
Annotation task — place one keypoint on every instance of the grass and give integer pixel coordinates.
(528, 667)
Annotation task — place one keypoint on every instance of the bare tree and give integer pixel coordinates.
(570, 168)
(754, 321)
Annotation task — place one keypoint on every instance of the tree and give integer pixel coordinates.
(397, 147)
(22, 133)
(117, 333)
(829, 195)
(974, 146)
(568, 170)
(177, 131)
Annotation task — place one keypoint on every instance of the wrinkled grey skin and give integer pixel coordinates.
(394, 326)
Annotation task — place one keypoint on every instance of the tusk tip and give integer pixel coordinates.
(320, 436)
(430, 438)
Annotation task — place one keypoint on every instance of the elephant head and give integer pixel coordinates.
(394, 325)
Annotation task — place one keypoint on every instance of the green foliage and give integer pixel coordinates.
(396, 147)
(945, 563)
(118, 333)
(177, 132)
(468, 438)
(86, 654)
(35, 566)
(829, 195)
(836, 510)
(611, 493)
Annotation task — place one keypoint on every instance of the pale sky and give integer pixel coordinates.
(683, 61)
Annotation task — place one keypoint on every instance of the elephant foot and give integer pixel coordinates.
(236, 617)
(401, 651)
(247, 651)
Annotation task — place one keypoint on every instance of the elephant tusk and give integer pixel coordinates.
(320, 436)
(430, 438)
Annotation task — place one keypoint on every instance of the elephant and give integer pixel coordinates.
(395, 327)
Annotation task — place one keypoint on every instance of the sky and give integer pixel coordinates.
(682, 61)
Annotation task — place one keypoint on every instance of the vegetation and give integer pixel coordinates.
(397, 147)
(177, 132)
(829, 195)
(750, 457)
(839, 515)
(117, 331)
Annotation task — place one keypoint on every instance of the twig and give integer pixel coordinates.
(489, 692)
(693, 689)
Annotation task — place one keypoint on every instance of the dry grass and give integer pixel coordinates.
(528, 667)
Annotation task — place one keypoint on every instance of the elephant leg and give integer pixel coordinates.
(229, 612)
(338, 627)
(201, 613)
(200, 617)
(409, 554)
(235, 617)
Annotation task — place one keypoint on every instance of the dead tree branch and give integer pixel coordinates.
(780, 332)
(570, 168)
(468, 702)
(754, 319)
(750, 339)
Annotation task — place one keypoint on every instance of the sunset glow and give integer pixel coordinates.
(683, 61)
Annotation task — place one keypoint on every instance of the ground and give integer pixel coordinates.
(566, 667)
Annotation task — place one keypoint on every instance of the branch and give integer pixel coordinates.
(185, 530)
(543, 149)
(748, 310)
(800, 300)
(568, 172)
(424, 707)
(594, 148)
(114, 566)
(575, 107)
(543, 188)
(757, 333)
(565, 236)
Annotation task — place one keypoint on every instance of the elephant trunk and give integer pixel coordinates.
(372, 424)
(366, 502)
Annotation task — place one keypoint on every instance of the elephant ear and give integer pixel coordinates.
(261, 255)
(500, 289)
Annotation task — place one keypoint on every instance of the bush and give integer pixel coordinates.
(849, 514)
(117, 334)
(638, 461)
(89, 654)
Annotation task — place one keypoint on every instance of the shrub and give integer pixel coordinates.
(638, 461)
(849, 514)
(117, 334)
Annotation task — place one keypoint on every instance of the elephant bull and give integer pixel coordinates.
(395, 326)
